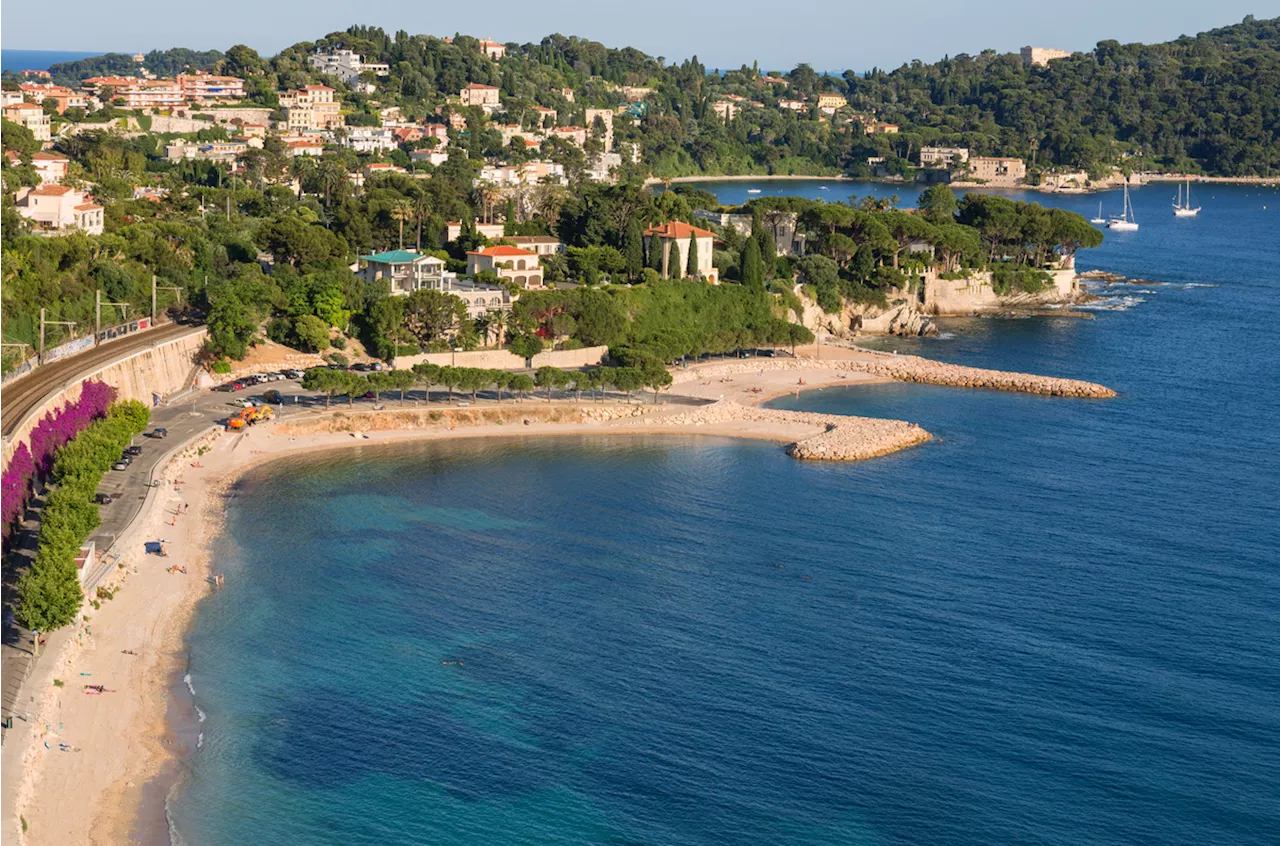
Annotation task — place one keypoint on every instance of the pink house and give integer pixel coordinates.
(51, 167)
(59, 208)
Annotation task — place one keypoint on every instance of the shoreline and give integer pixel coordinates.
(96, 795)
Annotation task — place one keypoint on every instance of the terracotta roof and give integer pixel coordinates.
(475, 86)
(23, 106)
(501, 250)
(678, 229)
(48, 157)
(51, 190)
(88, 207)
(533, 239)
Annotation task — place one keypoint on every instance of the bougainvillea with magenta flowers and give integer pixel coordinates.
(54, 429)
(62, 424)
(15, 485)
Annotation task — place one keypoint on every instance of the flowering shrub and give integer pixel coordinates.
(54, 429)
(49, 591)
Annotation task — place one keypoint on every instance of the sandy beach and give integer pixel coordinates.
(116, 742)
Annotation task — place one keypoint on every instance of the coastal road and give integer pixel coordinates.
(26, 392)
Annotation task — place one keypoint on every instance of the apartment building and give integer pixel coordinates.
(32, 117)
(510, 263)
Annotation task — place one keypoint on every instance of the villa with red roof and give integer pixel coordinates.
(476, 94)
(674, 239)
(60, 209)
(510, 263)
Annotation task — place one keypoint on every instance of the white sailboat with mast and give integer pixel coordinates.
(1099, 218)
(1126, 222)
(1183, 209)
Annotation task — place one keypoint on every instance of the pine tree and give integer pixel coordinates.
(633, 248)
(693, 255)
(752, 266)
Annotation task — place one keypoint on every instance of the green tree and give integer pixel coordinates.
(526, 345)
(633, 248)
(328, 382)
(522, 383)
(426, 374)
(550, 377)
(433, 316)
(938, 203)
(752, 266)
(692, 272)
(311, 332)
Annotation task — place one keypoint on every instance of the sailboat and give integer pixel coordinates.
(753, 190)
(1185, 210)
(1126, 222)
(1099, 218)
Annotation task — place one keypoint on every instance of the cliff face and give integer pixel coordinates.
(975, 294)
(902, 317)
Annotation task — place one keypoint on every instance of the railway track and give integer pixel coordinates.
(27, 392)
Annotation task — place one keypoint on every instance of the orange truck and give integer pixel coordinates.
(248, 417)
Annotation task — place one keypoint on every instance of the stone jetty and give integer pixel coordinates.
(910, 368)
(838, 437)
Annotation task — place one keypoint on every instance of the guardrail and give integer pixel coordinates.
(111, 333)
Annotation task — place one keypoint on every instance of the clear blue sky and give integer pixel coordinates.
(780, 34)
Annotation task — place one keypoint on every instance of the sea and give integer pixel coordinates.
(20, 60)
(1058, 622)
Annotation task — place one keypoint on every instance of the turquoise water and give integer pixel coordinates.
(1056, 623)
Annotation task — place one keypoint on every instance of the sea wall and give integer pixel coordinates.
(511, 413)
(163, 369)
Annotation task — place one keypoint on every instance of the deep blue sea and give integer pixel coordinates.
(19, 60)
(1057, 623)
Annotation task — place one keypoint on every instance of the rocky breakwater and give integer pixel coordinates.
(910, 368)
(839, 438)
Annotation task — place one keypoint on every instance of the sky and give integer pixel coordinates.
(827, 35)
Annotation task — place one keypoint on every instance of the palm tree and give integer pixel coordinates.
(421, 210)
(332, 175)
(402, 211)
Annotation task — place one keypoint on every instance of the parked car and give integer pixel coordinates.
(294, 374)
(361, 367)
(133, 450)
(229, 387)
(273, 396)
(766, 353)
(120, 465)
(102, 499)
(160, 432)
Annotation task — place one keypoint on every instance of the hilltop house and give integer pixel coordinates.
(60, 209)
(493, 49)
(312, 107)
(830, 100)
(673, 239)
(453, 228)
(510, 263)
(346, 65)
(51, 167)
(405, 270)
(475, 94)
(32, 117)
(543, 245)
